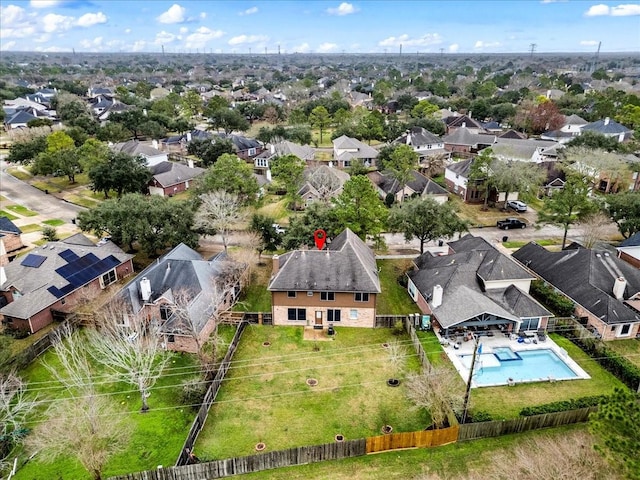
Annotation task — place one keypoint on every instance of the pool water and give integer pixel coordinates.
(501, 368)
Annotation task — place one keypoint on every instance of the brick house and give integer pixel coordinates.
(52, 280)
(170, 178)
(335, 286)
(604, 289)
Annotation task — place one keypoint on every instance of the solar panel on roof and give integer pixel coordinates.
(68, 255)
(33, 260)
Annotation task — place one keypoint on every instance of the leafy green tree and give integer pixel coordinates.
(26, 151)
(594, 140)
(92, 153)
(481, 172)
(403, 161)
(228, 121)
(60, 157)
(59, 141)
(191, 103)
(169, 105)
(49, 233)
(616, 425)
(209, 151)
(268, 239)
(113, 132)
(426, 220)
(154, 222)
(424, 109)
(301, 227)
(132, 120)
(319, 118)
(143, 89)
(371, 127)
(120, 172)
(569, 205)
(288, 171)
(515, 176)
(359, 207)
(232, 175)
(40, 122)
(624, 209)
(630, 116)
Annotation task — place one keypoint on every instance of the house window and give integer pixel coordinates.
(309, 294)
(297, 314)
(165, 312)
(353, 314)
(333, 315)
(108, 278)
(530, 323)
(361, 297)
(252, 152)
(625, 329)
(291, 294)
(327, 296)
(346, 163)
(171, 338)
(412, 290)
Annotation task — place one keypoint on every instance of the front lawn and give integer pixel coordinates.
(266, 398)
(10, 216)
(22, 211)
(55, 222)
(158, 435)
(394, 299)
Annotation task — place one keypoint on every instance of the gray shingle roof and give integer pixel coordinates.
(418, 136)
(33, 282)
(303, 152)
(463, 136)
(606, 126)
(171, 173)
(461, 167)
(587, 277)
(8, 226)
(463, 276)
(346, 265)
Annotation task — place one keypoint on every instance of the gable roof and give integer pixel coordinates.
(632, 241)
(463, 276)
(606, 126)
(55, 270)
(8, 226)
(461, 167)
(464, 136)
(462, 121)
(171, 173)
(587, 277)
(575, 120)
(418, 136)
(240, 142)
(303, 152)
(346, 265)
(20, 116)
(418, 183)
(134, 147)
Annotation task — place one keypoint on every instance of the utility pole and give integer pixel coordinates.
(467, 393)
(400, 49)
(532, 49)
(441, 52)
(594, 66)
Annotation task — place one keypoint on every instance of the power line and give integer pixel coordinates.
(532, 49)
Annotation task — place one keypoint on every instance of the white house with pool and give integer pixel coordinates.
(477, 292)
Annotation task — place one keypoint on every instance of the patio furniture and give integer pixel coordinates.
(542, 336)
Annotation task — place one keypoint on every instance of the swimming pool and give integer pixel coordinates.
(504, 366)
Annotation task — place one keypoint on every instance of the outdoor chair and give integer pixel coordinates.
(542, 336)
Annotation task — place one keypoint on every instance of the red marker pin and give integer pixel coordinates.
(320, 236)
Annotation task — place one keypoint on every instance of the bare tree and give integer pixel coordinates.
(594, 228)
(15, 407)
(438, 391)
(132, 353)
(219, 212)
(84, 425)
(397, 357)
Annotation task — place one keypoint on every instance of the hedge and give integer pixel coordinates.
(563, 405)
(547, 295)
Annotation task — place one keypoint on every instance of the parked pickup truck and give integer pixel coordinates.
(510, 223)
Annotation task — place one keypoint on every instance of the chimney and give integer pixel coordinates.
(3, 276)
(470, 112)
(408, 138)
(621, 137)
(619, 286)
(436, 300)
(606, 120)
(145, 289)
(276, 264)
(268, 174)
(188, 136)
(464, 124)
(549, 94)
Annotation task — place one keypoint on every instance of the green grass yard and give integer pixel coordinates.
(265, 397)
(394, 299)
(55, 222)
(10, 216)
(22, 211)
(630, 349)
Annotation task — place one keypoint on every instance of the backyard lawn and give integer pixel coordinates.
(506, 402)
(394, 299)
(158, 435)
(266, 398)
(630, 349)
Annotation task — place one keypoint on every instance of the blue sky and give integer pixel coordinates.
(473, 26)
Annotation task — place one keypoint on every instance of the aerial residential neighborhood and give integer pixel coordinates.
(319, 240)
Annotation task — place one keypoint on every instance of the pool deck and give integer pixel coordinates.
(500, 340)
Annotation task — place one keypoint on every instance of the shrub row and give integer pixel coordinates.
(616, 364)
(562, 405)
(556, 302)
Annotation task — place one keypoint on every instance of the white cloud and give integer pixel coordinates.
(12, 14)
(16, 23)
(184, 30)
(94, 44)
(589, 43)
(302, 48)
(7, 45)
(52, 23)
(480, 44)
(453, 48)
(597, 10)
(175, 14)
(249, 11)
(342, 9)
(625, 10)
(622, 10)
(242, 39)
(203, 15)
(127, 30)
(405, 40)
(51, 49)
(201, 36)
(44, 3)
(165, 37)
(90, 19)
(327, 47)
(138, 46)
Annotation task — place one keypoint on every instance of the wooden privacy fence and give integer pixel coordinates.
(417, 345)
(254, 463)
(470, 431)
(209, 398)
(420, 439)
(388, 321)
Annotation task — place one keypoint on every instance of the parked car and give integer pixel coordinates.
(279, 230)
(510, 223)
(517, 205)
